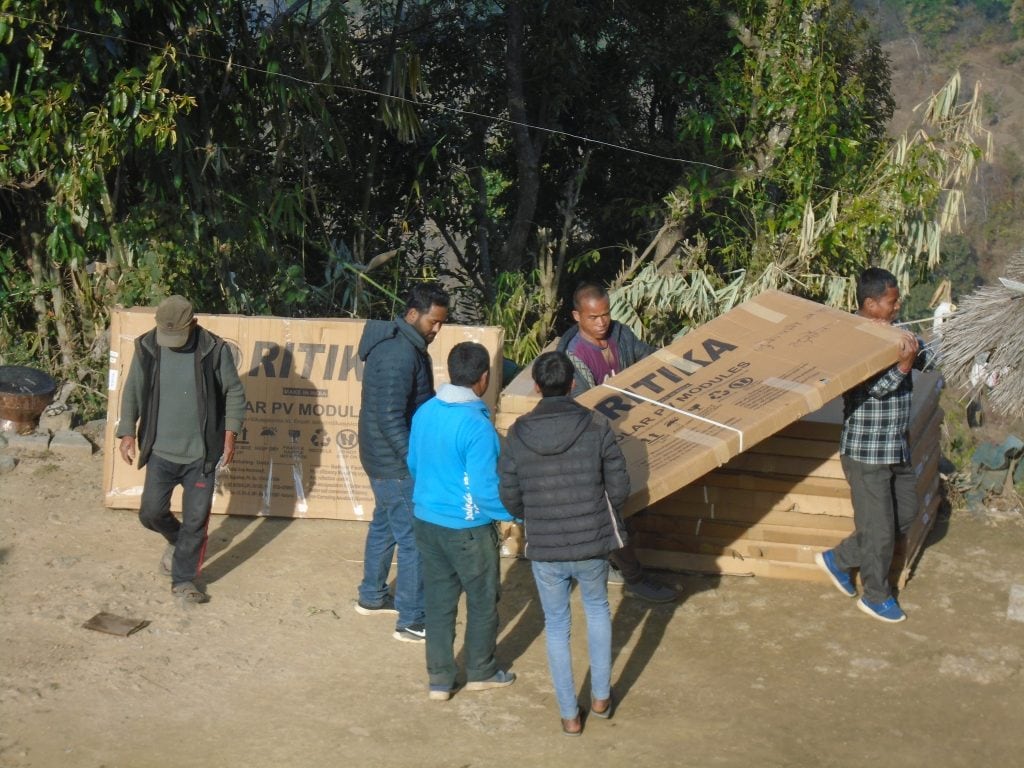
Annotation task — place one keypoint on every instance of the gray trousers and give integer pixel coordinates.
(884, 501)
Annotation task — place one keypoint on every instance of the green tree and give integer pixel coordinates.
(315, 160)
(810, 189)
(73, 106)
(157, 147)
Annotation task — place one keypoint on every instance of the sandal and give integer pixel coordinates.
(189, 593)
(606, 705)
(573, 726)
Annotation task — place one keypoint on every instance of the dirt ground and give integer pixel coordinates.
(278, 669)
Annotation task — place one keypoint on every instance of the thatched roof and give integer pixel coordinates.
(990, 320)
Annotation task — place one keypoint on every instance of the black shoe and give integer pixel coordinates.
(388, 606)
(414, 633)
(650, 590)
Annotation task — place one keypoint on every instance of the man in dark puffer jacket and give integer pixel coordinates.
(563, 473)
(397, 379)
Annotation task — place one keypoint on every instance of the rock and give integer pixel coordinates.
(33, 441)
(3, 440)
(7, 463)
(73, 444)
(94, 431)
(57, 418)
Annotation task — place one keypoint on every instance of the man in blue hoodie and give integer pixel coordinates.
(398, 378)
(453, 458)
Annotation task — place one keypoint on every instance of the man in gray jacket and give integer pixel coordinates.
(599, 348)
(185, 401)
(397, 379)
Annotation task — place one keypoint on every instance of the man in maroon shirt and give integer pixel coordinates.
(599, 348)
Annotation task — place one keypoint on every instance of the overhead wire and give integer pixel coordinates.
(375, 93)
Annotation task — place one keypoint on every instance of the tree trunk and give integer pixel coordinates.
(482, 235)
(527, 151)
(568, 210)
(65, 343)
(359, 245)
(548, 283)
(116, 256)
(36, 265)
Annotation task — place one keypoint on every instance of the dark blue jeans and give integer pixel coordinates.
(391, 528)
(189, 534)
(457, 560)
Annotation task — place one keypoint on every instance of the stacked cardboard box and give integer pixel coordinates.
(769, 510)
(732, 477)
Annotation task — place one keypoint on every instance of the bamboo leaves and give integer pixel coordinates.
(817, 193)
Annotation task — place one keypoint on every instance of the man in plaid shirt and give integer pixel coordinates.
(876, 460)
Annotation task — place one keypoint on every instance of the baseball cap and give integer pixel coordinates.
(173, 321)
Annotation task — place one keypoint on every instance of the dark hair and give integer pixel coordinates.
(873, 283)
(467, 362)
(553, 372)
(423, 296)
(587, 291)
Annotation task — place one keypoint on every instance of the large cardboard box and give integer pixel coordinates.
(746, 517)
(731, 435)
(297, 454)
(727, 385)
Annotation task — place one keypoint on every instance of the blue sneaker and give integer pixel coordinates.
(889, 611)
(827, 562)
(650, 590)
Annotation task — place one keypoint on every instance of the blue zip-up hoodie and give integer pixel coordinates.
(453, 458)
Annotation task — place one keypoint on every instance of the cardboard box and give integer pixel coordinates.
(752, 483)
(710, 433)
(297, 454)
(906, 558)
(518, 396)
(724, 387)
(767, 511)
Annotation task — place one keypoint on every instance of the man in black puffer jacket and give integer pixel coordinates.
(397, 379)
(563, 473)
(562, 465)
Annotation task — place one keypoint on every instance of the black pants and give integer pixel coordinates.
(189, 535)
(626, 563)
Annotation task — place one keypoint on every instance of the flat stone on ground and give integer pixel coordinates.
(34, 441)
(68, 443)
(1015, 608)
